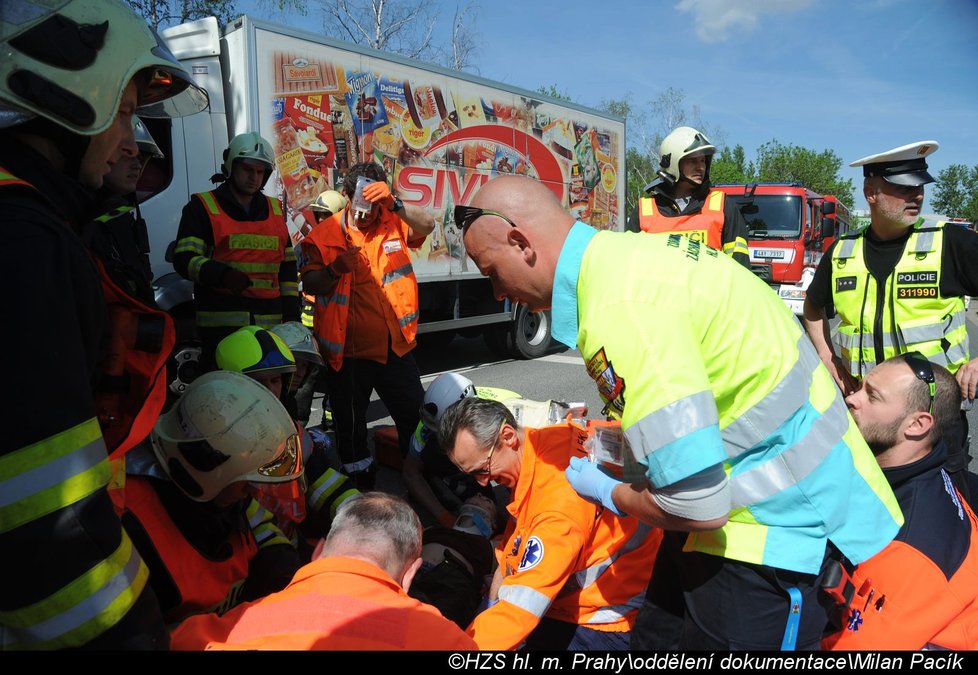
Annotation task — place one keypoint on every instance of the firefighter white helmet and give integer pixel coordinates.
(226, 428)
(70, 61)
(444, 390)
(329, 202)
(300, 341)
(683, 142)
(249, 145)
(144, 140)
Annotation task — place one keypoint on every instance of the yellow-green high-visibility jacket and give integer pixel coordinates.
(907, 314)
(706, 366)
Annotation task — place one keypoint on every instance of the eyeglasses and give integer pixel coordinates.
(466, 215)
(485, 471)
(922, 368)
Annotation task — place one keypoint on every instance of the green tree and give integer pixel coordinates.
(956, 192)
(818, 171)
(553, 91)
(162, 13)
(731, 166)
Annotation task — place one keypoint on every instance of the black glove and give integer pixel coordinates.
(235, 281)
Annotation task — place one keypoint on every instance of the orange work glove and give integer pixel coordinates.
(379, 193)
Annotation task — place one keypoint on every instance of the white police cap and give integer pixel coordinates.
(901, 166)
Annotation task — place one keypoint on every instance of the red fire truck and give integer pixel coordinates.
(789, 228)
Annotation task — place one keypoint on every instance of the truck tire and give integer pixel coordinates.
(499, 339)
(531, 333)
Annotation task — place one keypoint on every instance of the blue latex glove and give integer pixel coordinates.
(593, 484)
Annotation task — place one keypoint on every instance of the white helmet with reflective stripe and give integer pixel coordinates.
(300, 341)
(70, 61)
(683, 142)
(443, 391)
(226, 428)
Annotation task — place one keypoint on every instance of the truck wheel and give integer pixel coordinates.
(531, 333)
(499, 339)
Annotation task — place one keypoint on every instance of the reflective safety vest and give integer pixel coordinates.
(390, 266)
(696, 396)
(204, 585)
(563, 557)
(255, 247)
(705, 226)
(914, 315)
(45, 480)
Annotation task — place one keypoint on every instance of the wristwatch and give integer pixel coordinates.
(397, 205)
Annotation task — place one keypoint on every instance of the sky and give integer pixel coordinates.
(858, 77)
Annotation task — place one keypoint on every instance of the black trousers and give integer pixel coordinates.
(700, 602)
(397, 383)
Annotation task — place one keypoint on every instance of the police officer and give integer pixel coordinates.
(898, 286)
(682, 201)
(234, 244)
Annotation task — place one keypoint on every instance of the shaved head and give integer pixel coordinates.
(520, 258)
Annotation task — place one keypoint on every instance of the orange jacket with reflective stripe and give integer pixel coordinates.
(204, 585)
(385, 248)
(255, 247)
(563, 557)
(331, 603)
(705, 226)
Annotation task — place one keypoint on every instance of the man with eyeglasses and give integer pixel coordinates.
(920, 591)
(897, 286)
(572, 575)
(752, 463)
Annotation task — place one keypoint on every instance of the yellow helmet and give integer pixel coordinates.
(70, 61)
(255, 351)
(226, 428)
(329, 202)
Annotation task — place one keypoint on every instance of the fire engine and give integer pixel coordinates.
(789, 228)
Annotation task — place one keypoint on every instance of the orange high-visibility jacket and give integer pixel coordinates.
(386, 249)
(564, 557)
(256, 248)
(331, 603)
(705, 226)
(921, 591)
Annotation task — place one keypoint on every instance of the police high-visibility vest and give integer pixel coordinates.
(390, 266)
(914, 317)
(255, 247)
(705, 226)
(680, 360)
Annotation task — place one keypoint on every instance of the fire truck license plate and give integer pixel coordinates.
(768, 253)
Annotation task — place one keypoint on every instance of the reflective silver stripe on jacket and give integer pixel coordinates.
(794, 464)
(616, 613)
(399, 273)
(524, 597)
(589, 575)
(672, 422)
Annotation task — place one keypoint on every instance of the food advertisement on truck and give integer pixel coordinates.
(438, 136)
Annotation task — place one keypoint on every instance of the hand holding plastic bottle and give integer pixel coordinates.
(379, 192)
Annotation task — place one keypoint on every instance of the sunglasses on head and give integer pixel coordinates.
(924, 371)
(466, 215)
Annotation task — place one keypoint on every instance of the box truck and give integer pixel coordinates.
(440, 134)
